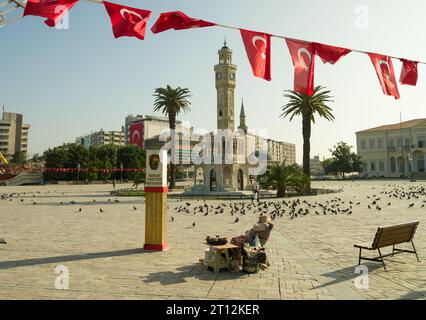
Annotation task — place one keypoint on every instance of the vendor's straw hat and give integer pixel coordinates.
(264, 218)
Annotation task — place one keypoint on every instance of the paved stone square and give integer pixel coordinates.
(311, 256)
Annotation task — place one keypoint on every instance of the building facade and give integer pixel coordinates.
(395, 150)
(13, 134)
(315, 165)
(143, 128)
(279, 152)
(101, 138)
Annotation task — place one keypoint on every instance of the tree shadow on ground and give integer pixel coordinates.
(198, 271)
(76, 257)
(414, 295)
(346, 274)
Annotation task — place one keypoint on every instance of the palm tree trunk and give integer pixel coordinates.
(281, 192)
(306, 131)
(172, 125)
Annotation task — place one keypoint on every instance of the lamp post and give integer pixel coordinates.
(78, 173)
(121, 172)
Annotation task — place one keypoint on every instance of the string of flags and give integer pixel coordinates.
(131, 22)
(101, 170)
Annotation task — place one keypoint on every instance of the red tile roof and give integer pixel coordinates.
(397, 126)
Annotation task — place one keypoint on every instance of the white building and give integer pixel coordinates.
(101, 138)
(393, 150)
(152, 126)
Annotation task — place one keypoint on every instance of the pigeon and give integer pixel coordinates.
(411, 205)
(79, 210)
(173, 219)
(237, 220)
(100, 210)
(193, 224)
(2, 241)
(134, 208)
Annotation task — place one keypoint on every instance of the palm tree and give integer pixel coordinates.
(171, 102)
(306, 106)
(280, 177)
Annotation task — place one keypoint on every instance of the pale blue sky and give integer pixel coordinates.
(70, 82)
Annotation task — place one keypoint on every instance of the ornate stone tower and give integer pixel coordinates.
(225, 86)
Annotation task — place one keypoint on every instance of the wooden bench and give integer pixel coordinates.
(390, 236)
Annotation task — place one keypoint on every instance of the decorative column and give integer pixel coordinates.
(156, 200)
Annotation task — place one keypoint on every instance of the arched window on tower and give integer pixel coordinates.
(220, 113)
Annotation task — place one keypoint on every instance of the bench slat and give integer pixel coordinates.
(400, 226)
(396, 234)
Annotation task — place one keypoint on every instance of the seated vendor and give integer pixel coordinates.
(262, 229)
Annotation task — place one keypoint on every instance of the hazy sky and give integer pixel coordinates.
(70, 82)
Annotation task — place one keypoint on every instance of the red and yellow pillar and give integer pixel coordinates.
(156, 201)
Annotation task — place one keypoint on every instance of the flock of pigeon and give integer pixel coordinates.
(294, 208)
(290, 207)
(30, 197)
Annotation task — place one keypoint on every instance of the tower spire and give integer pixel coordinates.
(242, 112)
(243, 124)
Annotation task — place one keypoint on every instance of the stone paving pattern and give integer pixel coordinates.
(311, 257)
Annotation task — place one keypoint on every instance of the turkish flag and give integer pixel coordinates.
(178, 20)
(330, 54)
(127, 21)
(136, 134)
(53, 10)
(409, 73)
(258, 48)
(303, 56)
(384, 70)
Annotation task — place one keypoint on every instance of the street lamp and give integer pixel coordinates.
(121, 172)
(78, 173)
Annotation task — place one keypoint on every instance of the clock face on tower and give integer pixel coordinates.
(231, 76)
(218, 76)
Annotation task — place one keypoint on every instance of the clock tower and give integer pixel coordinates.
(225, 86)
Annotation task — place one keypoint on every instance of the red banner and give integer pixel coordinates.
(303, 56)
(136, 134)
(258, 48)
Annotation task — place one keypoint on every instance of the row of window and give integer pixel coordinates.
(379, 143)
(395, 164)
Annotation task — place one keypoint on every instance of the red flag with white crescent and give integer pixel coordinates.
(303, 56)
(409, 73)
(127, 21)
(136, 134)
(258, 48)
(178, 20)
(53, 10)
(385, 73)
(330, 54)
